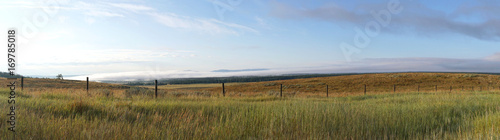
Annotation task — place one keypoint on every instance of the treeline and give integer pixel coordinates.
(232, 79)
(7, 75)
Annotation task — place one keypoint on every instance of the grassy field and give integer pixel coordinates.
(375, 84)
(191, 86)
(386, 116)
(69, 112)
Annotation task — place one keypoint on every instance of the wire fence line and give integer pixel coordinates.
(285, 90)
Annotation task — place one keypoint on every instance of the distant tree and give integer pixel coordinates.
(59, 76)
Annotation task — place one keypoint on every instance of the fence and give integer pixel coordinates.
(362, 89)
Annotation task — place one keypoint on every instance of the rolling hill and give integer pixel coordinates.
(338, 85)
(375, 83)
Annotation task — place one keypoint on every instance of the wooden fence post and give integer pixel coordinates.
(156, 88)
(223, 90)
(22, 83)
(436, 86)
(394, 88)
(281, 90)
(365, 89)
(451, 88)
(87, 84)
(327, 91)
(418, 88)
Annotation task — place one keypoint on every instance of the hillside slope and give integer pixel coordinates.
(338, 85)
(375, 83)
(56, 83)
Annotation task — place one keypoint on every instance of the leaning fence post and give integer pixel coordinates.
(156, 88)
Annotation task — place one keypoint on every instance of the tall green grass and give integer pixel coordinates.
(388, 116)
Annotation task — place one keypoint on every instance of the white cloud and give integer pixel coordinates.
(494, 57)
(59, 34)
(103, 14)
(18, 4)
(98, 10)
(263, 23)
(89, 20)
(131, 7)
(62, 19)
(95, 11)
(99, 57)
(415, 17)
(260, 21)
(212, 26)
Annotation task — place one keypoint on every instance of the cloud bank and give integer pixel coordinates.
(490, 64)
(478, 20)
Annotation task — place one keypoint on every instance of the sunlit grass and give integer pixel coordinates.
(76, 114)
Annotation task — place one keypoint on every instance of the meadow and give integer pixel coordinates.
(115, 112)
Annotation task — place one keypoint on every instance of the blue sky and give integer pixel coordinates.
(142, 39)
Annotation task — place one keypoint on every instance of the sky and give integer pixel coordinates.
(145, 39)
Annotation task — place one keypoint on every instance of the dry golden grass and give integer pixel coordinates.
(190, 86)
(66, 110)
(375, 84)
(77, 115)
(40, 83)
(339, 86)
